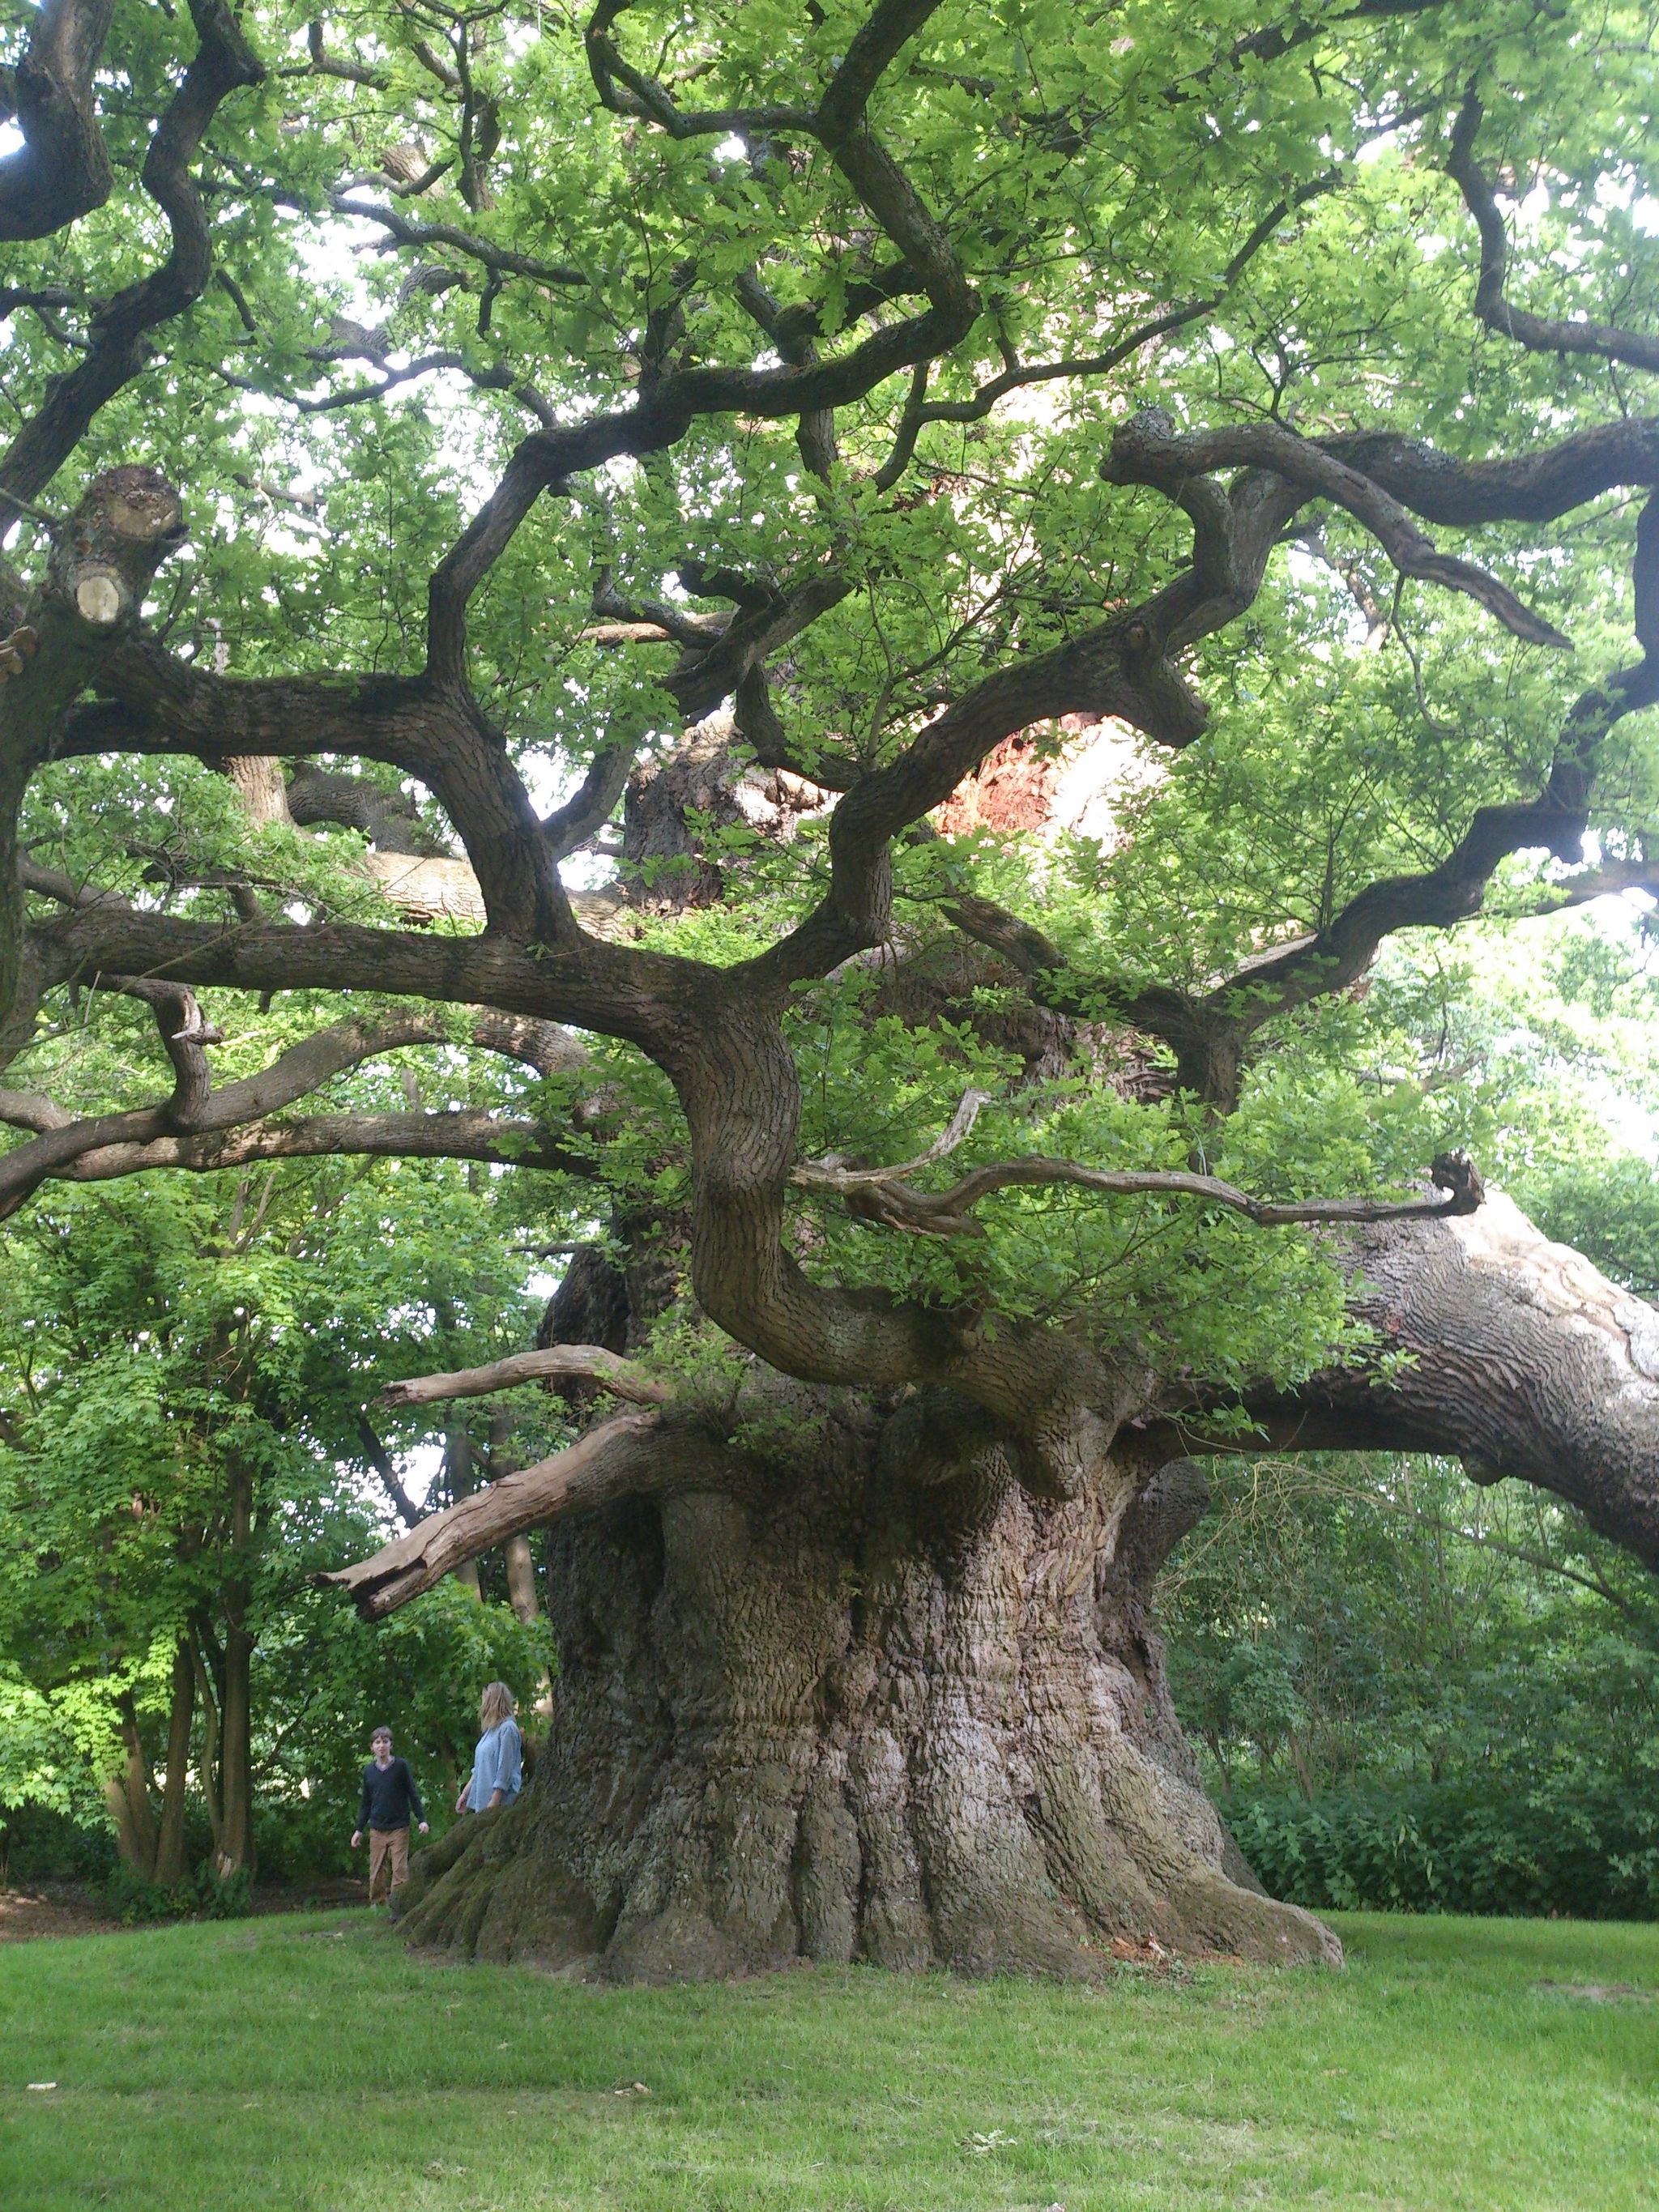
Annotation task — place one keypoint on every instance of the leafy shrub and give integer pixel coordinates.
(1454, 1847)
(38, 1843)
(203, 1895)
(297, 1840)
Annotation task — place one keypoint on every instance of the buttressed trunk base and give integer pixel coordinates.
(843, 1717)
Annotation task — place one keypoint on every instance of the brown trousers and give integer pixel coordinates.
(387, 1848)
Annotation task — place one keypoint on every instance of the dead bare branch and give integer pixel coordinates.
(877, 1194)
(632, 1453)
(559, 1362)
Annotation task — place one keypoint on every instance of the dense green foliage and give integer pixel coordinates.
(1127, 153)
(1480, 1846)
(1408, 1692)
(153, 1343)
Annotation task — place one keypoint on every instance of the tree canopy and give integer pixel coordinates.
(534, 539)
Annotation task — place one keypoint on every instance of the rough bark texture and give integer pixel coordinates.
(1525, 1361)
(851, 1716)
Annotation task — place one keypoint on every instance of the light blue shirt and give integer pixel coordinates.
(497, 1764)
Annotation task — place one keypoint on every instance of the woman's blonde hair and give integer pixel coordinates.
(497, 1704)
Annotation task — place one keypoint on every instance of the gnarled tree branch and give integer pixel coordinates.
(1542, 333)
(61, 170)
(1524, 1361)
(202, 1129)
(634, 1454)
(1147, 451)
(119, 345)
(880, 1194)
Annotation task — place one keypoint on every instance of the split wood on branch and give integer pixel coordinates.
(622, 1457)
(101, 562)
(559, 1362)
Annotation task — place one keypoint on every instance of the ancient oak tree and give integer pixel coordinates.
(581, 553)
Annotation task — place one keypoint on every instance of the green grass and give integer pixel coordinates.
(290, 2063)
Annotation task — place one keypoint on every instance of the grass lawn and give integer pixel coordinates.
(307, 2061)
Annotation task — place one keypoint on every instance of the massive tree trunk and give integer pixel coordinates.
(833, 1712)
(862, 1694)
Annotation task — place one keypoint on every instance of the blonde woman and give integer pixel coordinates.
(497, 1772)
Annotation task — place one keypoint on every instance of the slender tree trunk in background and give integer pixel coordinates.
(522, 1579)
(235, 1839)
(127, 1796)
(170, 1840)
(460, 1480)
(234, 1842)
(207, 1763)
(460, 1473)
(516, 1556)
(852, 1711)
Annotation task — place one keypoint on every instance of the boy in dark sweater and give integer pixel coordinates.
(389, 1797)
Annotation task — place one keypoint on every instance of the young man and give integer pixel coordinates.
(389, 1797)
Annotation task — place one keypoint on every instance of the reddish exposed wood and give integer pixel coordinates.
(1012, 789)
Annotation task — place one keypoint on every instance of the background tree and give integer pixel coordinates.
(861, 391)
(184, 1443)
(1412, 1694)
(1410, 1689)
